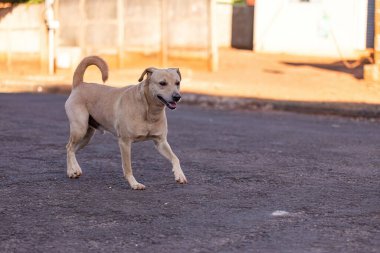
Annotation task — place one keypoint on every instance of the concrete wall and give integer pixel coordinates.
(187, 24)
(223, 24)
(114, 27)
(144, 34)
(22, 29)
(318, 27)
(126, 29)
(140, 27)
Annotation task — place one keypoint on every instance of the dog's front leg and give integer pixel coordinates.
(125, 149)
(163, 147)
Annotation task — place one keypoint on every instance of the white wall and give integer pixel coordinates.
(223, 24)
(20, 29)
(318, 27)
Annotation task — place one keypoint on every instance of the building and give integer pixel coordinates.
(129, 32)
(332, 28)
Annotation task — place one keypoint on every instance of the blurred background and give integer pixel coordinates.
(308, 50)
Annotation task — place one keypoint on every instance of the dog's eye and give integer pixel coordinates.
(177, 83)
(163, 83)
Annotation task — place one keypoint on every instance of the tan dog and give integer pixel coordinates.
(132, 113)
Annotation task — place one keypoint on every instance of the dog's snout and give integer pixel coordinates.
(176, 97)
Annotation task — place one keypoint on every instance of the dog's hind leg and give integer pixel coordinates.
(80, 135)
(86, 139)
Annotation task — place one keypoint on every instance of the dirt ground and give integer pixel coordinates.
(258, 182)
(284, 77)
(241, 74)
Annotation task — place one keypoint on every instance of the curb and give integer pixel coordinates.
(355, 110)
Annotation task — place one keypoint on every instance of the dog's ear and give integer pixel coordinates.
(148, 72)
(179, 73)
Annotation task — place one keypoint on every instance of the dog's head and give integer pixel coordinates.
(163, 85)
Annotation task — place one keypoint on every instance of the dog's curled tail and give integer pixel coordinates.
(88, 61)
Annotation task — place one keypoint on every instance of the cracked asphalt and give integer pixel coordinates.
(322, 172)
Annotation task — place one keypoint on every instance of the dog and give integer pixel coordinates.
(132, 113)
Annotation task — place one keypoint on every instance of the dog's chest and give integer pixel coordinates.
(147, 132)
(145, 137)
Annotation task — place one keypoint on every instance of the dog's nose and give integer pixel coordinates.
(176, 97)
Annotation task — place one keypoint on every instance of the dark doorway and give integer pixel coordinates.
(370, 24)
(242, 27)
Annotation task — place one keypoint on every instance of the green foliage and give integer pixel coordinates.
(232, 2)
(22, 1)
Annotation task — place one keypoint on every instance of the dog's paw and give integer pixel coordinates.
(74, 173)
(138, 186)
(180, 178)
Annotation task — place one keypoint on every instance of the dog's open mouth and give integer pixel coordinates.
(171, 105)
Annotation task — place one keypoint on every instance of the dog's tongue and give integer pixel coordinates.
(173, 104)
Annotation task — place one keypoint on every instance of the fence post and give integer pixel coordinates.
(9, 48)
(212, 43)
(377, 32)
(82, 27)
(164, 33)
(121, 30)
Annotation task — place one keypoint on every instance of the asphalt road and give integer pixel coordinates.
(242, 167)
